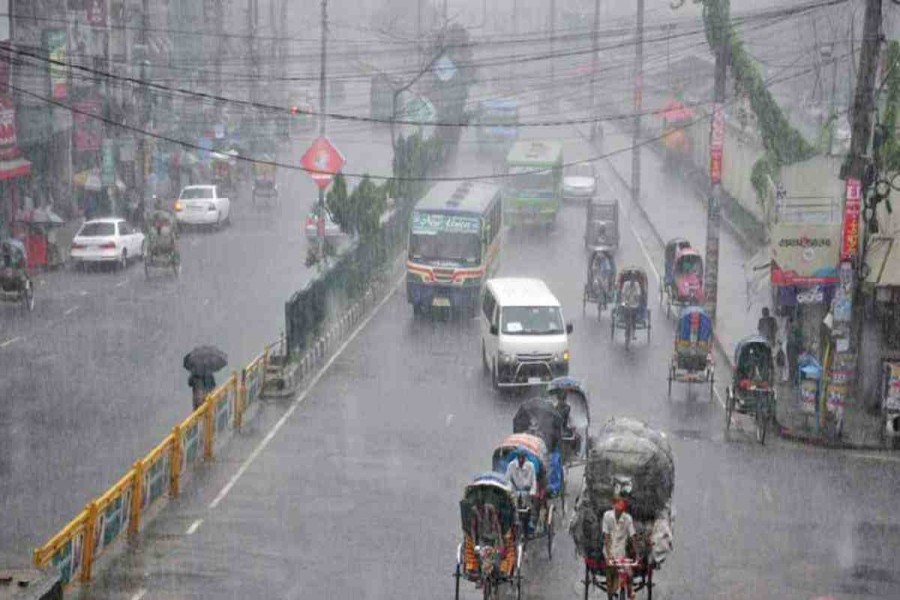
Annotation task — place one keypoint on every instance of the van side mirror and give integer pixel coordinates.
(493, 330)
(569, 328)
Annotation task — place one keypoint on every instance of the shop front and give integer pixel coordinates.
(14, 169)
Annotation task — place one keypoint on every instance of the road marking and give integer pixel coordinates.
(767, 493)
(11, 341)
(194, 527)
(139, 594)
(878, 457)
(122, 283)
(448, 420)
(83, 293)
(70, 311)
(299, 400)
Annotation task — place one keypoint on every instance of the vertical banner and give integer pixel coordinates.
(86, 132)
(716, 143)
(8, 139)
(850, 228)
(95, 12)
(55, 45)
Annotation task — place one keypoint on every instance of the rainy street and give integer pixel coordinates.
(356, 494)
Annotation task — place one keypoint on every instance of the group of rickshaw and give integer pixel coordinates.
(15, 282)
(162, 248)
(499, 521)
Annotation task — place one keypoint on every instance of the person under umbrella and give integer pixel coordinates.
(203, 362)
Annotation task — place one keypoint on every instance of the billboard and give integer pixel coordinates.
(805, 254)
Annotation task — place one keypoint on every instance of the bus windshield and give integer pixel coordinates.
(527, 179)
(456, 248)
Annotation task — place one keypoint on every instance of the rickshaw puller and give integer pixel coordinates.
(618, 531)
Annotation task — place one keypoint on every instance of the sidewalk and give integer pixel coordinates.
(673, 208)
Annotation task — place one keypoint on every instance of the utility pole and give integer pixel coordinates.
(595, 48)
(219, 23)
(145, 100)
(552, 51)
(322, 112)
(638, 105)
(853, 172)
(419, 28)
(716, 148)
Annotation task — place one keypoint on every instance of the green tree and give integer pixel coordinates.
(338, 202)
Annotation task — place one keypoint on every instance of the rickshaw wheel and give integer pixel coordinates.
(29, 297)
(147, 268)
(612, 325)
(648, 325)
(671, 376)
(649, 581)
(660, 296)
(587, 582)
(729, 408)
(550, 532)
(457, 575)
(518, 585)
(762, 422)
(712, 386)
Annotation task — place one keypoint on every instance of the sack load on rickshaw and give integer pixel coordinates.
(630, 312)
(752, 389)
(15, 283)
(535, 509)
(492, 550)
(600, 287)
(631, 461)
(692, 360)
(162, 246)
(683, 279)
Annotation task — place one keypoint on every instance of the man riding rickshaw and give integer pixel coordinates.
(692, 356)
(684, 279)
(162, 235)
(492, 548)
(631, 312)
(752, 391)
(601, 278)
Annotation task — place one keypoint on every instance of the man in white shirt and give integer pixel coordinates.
(520, 474)
(618, 530)
(631, 302)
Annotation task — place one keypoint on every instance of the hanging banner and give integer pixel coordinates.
(9, 148)
(715, 165)
(55, 45)
(804, 254)
(850, 229)
(95, 12)
(87, 133)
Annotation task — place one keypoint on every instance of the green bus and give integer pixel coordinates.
(534, 189)
(454, 246)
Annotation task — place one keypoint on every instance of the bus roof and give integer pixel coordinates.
(521, 291)
(460, 197)
(534, 152)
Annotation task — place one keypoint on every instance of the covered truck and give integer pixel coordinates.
(626, 458)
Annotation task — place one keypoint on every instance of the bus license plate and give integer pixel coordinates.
(535, 380)
(444, 302)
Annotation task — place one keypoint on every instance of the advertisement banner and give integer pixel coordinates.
(4, 65)
(804, 254)
(850, 229)
(95, 12)
(55, 45)
(9, 148)
(87, 133)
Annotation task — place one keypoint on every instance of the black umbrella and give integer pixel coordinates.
(205, 360)
(539, 416)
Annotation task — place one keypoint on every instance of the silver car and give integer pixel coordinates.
(580, 182)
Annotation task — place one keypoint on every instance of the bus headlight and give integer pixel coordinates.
(506, 358)
(565, 356)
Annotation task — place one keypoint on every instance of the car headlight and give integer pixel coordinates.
(506, 358)
(565, 356)
(178, 206)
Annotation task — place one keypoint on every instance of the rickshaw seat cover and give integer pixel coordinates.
(672, 247)
(542, 414)
(633, 273)
(580, 418)
(535, 452)
(489, 488)
(694, 317)
(745, 343)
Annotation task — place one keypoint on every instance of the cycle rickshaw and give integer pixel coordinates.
(692, 360)
(752, 390)
(621, 318)
(15, 283)
(600, 287)
(683, 280)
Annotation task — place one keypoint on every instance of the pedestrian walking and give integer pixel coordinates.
(767, 327)
(793, 349)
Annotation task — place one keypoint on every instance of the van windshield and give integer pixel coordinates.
(531, 320)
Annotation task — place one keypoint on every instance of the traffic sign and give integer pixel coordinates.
(322, 161)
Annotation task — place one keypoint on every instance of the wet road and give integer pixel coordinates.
(356, 493)
(92, 379)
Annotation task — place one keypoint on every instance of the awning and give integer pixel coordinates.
(14, 168)
(883, 259)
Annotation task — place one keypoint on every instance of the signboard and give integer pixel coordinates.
(717, 133)
(8, 139)
(95, 12)
(432, 223)
(804, 254)
(87, 133)
(55, 45)
(715, 165)
(322, 160)
(4, 65)
(850, 230)
(809, 390)
(891, 398)
(108, 163)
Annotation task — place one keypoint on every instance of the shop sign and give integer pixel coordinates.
(55, 45)
(815, 295)
(86, 132)
(836, 397)
(8, 138)
(95, 12)
(108, 163)
(715, 165)
(850, 228)
(892, 393)
(809, 391)
(4, 65)
(804, 254)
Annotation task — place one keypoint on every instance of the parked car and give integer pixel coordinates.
(202, 205)
(580, 182)
(332, 229)
(109, 240)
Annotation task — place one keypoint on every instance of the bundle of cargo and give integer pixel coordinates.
(630, 459)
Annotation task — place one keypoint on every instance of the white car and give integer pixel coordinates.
(332, 229)
(580, 182)
(109, 240)
(202, 205)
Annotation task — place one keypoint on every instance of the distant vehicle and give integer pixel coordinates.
(497, 125)
(580, 182)
(454, 246)
(332, 229)
(534, 192)
(202, 205)
(109, 240)
(524, 338)
(302, 108)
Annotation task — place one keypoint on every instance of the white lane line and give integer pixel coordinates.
(298, 401)
(194, 527)
(122, 283)
(11, 341)
(878, 457)
(767, 493)
(70, 311)
(83, 293)
(139, 594)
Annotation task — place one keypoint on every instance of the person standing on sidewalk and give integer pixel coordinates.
(793, 348)
(768, 327)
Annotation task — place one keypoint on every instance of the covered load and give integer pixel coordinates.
(627, 458)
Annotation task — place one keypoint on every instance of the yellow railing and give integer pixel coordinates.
(159, 474)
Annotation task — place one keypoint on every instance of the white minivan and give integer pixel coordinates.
(524, 338)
